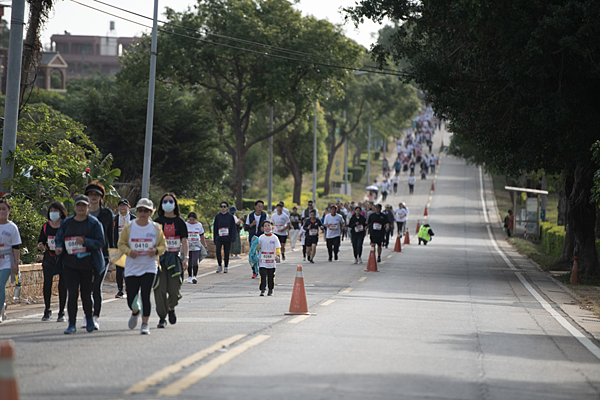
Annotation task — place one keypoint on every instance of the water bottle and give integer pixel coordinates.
(18, 287)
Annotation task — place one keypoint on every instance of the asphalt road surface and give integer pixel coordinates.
(460, 318)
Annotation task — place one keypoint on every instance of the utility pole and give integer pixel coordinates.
(270, 207)
(315, 160)
(13, 85)
(345, 159)
(369, 157)
(150, 110)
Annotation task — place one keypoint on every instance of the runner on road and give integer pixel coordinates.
(334, 223)
(295, 220)
(311, 227)
(358, 225)
(401, 213)
(225, 233)
(119, 223)
(307, 210)
(411, 183)
(378, 225)
(10, 253)
(195, 242)
(269, 250)
(282, 223)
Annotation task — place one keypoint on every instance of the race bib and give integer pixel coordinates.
(359, 228)
(121, 229)
(223, 231)
(334, 227)
(72, 246)
(193, 236)
(376, 226)
(267, 257)
(141, 246)
(280, 228)
(51, 243)
(173, 244)
(313, 232)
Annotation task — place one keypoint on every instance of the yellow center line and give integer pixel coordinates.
(390, 256)
(347, 290)
(328, 302)
(186, 362)
(364, 278)
(383, 262)
(205, 370)
(299, 318)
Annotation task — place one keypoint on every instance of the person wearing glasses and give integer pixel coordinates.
(168, 290)
(224, 233)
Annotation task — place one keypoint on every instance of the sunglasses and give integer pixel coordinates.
(223, 206)
(168, 201)
(142, 211)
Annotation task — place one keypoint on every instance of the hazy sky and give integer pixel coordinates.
(79, 20)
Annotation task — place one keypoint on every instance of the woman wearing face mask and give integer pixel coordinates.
(95, 192)
(56, 213)
(10, 254)
(168, 291)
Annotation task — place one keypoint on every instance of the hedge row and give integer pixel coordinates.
(553, 239)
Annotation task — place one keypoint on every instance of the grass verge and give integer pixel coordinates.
(534, 252)
(588, 292)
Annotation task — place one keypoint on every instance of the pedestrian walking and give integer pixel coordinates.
(378, 224)
(10, 253)
(411, 183)
(295, 220)
(334, 223)
(119, 222)
(269, 250)
(225, 233)
(401, 213)
(82, 238)
(432, 162)
(196, 244)
(282, 224)
(311, 227)
(170, 274)
(236, 247)
(395, 181)
(47, 243)
(389, 213)
(358, 225)
(141, 240)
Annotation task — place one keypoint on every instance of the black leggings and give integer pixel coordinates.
(333, 246)
(134, 283)
(400, 225)
(193, 263)
(79, 279)
(62, 288)
(120, 275)
(357, 244)
(267, 276)
(226, 247)
(97, 289)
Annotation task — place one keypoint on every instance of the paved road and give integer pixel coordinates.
(451, 320)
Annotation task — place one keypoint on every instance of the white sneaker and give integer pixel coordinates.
(360, 260)
(190, 279)
(133, 320)
(194, 280)
(96, 324)
(145, 330)
(84, 323)
(356, 261)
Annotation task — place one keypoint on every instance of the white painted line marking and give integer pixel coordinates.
(587, 343)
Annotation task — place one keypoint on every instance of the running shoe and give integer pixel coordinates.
(262, 292)
(161, 324)
(283, 257)
(119, 295)
(172, 317)
(236, 257)
(335, 257)
(145, 330)
(270, 293)
(71, 329)
(90, 325)
(84, 323)
(254, 276)
(330, 260)
(311, 261)
(219, 269)
(379, 259)
(360, 260)
(303, 258)
(61, 317)
(47, 315)
(356, 261)
(194, 280)
(226, 270)
(133, 320)
(96, 324)
(190, 279)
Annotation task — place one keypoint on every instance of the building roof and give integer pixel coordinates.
(53, 59)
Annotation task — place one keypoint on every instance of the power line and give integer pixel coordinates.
(247, 50)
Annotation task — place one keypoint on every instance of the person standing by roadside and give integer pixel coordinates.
(10, 253)
(282, 223)
(295, 227)
(95, 192)
(236, 247)
(46, 243)
(509, 223)
(168, 290)
(358, 225)
(334, 223)
(378, 224)
(195, 242)
(141, 240)
(311, 227)
(82, 238)
(225, 233)
(120, 220)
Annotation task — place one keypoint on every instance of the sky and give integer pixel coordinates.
(79, 20)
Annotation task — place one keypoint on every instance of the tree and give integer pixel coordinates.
(517, 80)
(239, 83)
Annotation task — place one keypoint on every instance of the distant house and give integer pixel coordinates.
(52, 72)
(90, 55)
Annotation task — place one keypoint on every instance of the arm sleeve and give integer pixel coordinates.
(123, 244)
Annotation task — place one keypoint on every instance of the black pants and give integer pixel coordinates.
(79, 279)
(62, 288)
(395, 188)
(226, 247)
(432, 167)
(304, 250)
(423, 240)
(400, 225)
(267, 275)
(333, 246)
(411, 188)
(120, 274)
(193, 263)
(134, 284)
(97, 289)
(357, 244)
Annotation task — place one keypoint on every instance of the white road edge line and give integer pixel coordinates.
(585, 341)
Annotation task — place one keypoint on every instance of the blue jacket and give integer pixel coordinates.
(94, 243)
(253, 254)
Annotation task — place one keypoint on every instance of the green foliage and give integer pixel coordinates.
(208, 203)
(596, 188)
(553, 238)
(24, 215)
(357, 173)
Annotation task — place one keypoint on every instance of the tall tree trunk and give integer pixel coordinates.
(297, 196)
(566, 256)
(327, 184)
(598, 222)
(238, 158)
(583, 218)
(288, 159)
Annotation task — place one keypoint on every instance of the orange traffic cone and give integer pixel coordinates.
(406, 238)
(9, 389)
(437, 162)
(425, 213)
(418, 226)
(398, 247)
(298, 305)
(432, 187)
(372, 263)
(575, 273)
(442, 143)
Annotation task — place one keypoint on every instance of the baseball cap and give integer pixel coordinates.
(145, 203)
(123, 201)
(82, 199)
(280, 204)
(94, 188)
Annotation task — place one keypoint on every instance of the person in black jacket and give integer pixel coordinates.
(95, 192)
(119, 222)
(224, 233)
(358, 226)
(255, 220)
(389, 213)
(378, 225)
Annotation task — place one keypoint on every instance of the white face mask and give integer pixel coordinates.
(168, 207)
(267, 230)
(54, 216)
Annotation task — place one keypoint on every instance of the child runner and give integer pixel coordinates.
(269, 250)
(10, 254)
(141, 241)
(195, 240)
(46, 243)
(311, 227)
